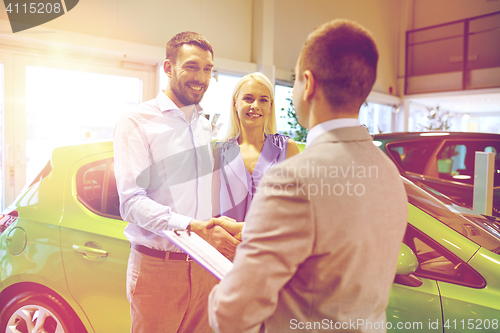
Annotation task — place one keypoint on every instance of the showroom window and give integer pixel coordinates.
(489, 124)
(283, 100)
(417, 120)
(217, 99)
(61, 101)
(376, 117)
(66, 107)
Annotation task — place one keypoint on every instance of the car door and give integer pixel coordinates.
(467, 309)
(467, 304)
(414, 303)
(474, 304)
(414, 308)
(95, 251)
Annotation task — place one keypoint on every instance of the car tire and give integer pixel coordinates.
(31, 311)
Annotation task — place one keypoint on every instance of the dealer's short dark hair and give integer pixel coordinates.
(187, 37)
(343, 57)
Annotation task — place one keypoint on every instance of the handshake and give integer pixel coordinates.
(223, 233)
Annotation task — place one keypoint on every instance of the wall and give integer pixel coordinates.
(431, 12)
(295, 19)
(227, 24)
(440, 49)
(416, 14)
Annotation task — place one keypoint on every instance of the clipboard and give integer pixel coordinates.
(200, 250)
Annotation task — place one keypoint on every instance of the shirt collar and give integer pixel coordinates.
(329, 125)
(166, 104)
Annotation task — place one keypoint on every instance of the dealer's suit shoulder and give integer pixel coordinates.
(358, 172)
(351, 140)
(351, 144)
(333, 149)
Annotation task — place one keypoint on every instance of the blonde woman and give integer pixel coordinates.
(250, 147)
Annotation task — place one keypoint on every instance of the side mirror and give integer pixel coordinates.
(407, 261)
(407, 265)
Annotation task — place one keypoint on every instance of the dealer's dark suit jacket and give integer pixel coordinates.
(320, 244)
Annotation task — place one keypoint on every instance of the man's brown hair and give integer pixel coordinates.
(343, 57)
(186, 37)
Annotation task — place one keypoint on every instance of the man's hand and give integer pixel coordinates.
(213, 233)
(231, 226)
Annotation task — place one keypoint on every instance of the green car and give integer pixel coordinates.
(456, 286)
(63, 256)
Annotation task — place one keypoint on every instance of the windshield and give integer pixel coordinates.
(484, 231)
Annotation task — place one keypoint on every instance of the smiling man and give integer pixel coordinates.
(163, 167)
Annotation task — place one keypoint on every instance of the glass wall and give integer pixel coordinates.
(458, 55)
(483, 123)
(423, 117)
(489, 124)
(282, 100)
(217, 99)
(66, 107)
(376, 117)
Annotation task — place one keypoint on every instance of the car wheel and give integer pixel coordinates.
(32, 312)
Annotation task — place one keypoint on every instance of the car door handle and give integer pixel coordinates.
(90, 252)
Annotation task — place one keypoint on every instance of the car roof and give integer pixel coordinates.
(70, 154)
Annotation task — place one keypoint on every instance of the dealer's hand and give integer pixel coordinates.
(231, 226)
(217, 236)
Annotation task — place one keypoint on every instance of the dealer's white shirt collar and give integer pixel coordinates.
(329, 125)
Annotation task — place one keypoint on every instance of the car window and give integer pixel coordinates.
(96, 188)
(436, 262)
(455, 160)
(413, 156)
(478, 229)
(44, 173)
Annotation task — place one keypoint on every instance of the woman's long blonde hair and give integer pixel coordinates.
(234, 128)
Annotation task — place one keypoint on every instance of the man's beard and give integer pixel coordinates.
(181, 91)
